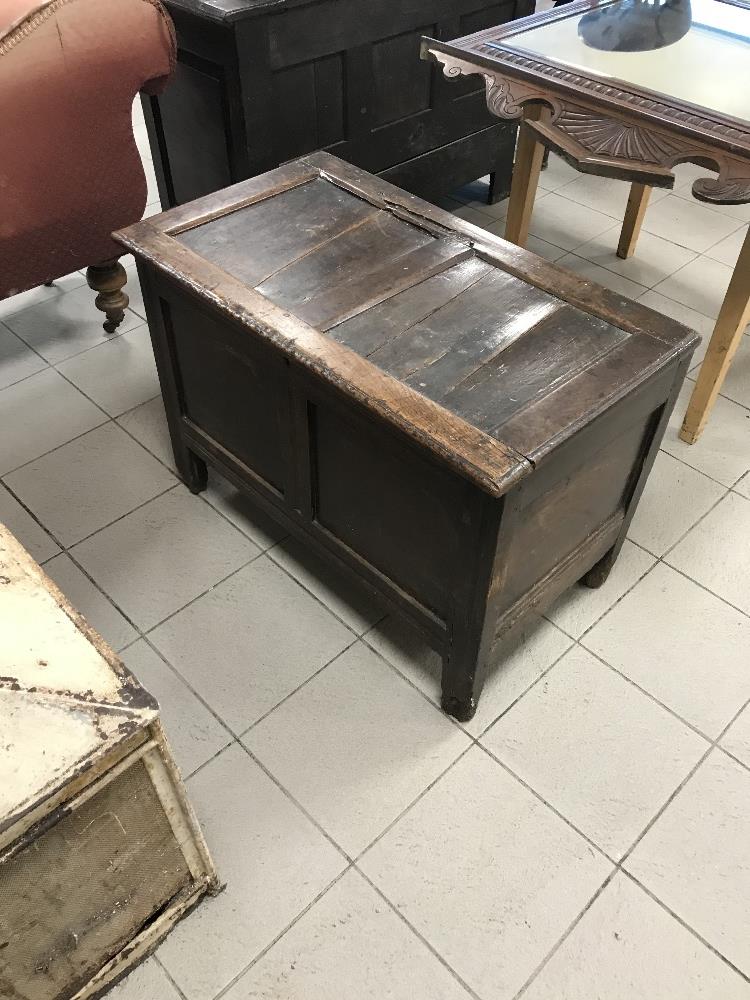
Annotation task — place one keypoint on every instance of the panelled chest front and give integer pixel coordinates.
(462, 425)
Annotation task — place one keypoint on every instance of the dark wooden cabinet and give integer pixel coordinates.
(260, 82)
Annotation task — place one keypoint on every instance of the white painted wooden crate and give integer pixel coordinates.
(100, 852)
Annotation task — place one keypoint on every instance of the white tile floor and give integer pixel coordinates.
(586, 836)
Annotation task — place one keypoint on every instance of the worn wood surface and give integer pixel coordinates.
(455, 422)
(58, 677)
(120, 847)
(100, 852)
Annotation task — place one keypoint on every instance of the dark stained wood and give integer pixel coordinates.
(462, 426)
(259, 83)
(276, 239)
(368, 332)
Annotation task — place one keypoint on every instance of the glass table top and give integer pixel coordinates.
(693, 50)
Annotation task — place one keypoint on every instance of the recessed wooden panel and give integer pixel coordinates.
(195, 127)
(305, 286)
(583, 492)
(401, 80)
(225, 393)
(255, 242)
(308, 101)
(393, 508)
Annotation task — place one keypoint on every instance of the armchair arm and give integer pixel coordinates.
(70, 171)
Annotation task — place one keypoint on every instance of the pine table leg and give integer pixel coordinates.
(526, 169)
(733, 318)
(631, 226)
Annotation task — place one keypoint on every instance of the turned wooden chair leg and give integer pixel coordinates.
(733, 318)
(631, 226)
(526, 168)
(108, 280)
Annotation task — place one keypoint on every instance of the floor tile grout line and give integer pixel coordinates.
(692, 468)
(683, 454)
(213, 586)
(312, 594)
(620, 863)
(282, 788)
(51, 451)
(683, 923)
(82, 391)
(421, 937)
(120, 517)
(652, 697)
(532, 685)
(33, 516)
(713, 744)
(732, 756)
(107, 338)
(169, 977)
(708, 590)
(615, 274)
(155, 649)
(351, 863)
(616, 601)
(50, 298)
(410, 682)
(25, 378)
(540, 798)
(291, 694)
(658, 560)
(264, 951)
(566, 934)
(408, 808)
(232, 741)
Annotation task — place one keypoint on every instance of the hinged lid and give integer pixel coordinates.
(65, 698)
(487, 354)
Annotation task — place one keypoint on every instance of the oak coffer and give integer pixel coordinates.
(259, 82)
(460, 424)
(100, 852)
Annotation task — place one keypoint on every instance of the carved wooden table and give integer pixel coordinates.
(462, 426)
(628, 90)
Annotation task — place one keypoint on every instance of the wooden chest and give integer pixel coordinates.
(99, 851)
(259, 82)
(463, 426)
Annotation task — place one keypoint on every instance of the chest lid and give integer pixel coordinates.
(487, 353)
(65, 698)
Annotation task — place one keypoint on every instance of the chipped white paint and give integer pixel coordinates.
(88, 786)
(65, 698)
(41, 647)
(40, 741)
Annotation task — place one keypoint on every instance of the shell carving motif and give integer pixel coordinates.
(618, 139)
(500, 100)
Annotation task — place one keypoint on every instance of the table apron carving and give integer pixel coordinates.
(605, 143)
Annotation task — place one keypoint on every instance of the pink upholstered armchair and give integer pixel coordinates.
(70, 171)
